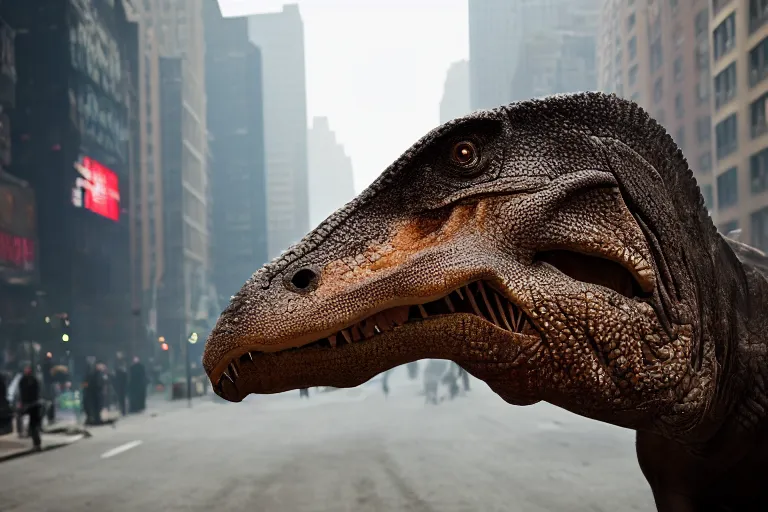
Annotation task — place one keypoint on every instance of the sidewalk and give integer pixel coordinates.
(12, 446)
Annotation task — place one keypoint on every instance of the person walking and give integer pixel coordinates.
(304, 392)
(120, 382)
(137, 384)
(29, 396)
(49, 391)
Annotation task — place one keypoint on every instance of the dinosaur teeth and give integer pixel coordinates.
(332, 340)
(346, 335)
(500, 308)
(450, 305)
(488, 303)
(458, 292)
(423, 311)
(474, 304)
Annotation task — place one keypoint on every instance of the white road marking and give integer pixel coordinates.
(120, 449)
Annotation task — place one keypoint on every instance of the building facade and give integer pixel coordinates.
(519, 49)
(657, 54)
(70, 138)
(236, 133)
(330, 172)
(185, 284)
(739, 61)
(455, 100)
(280, 37)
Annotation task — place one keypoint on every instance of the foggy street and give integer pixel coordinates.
(344, 450)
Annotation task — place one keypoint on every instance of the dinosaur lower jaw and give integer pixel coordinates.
(402, 333)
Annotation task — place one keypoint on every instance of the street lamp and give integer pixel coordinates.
(65, 337)
(192, 340)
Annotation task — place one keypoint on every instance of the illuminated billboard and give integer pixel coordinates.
(96, 189)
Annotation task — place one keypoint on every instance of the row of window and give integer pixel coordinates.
(728, 182)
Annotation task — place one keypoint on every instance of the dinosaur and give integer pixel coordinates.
(558, 249)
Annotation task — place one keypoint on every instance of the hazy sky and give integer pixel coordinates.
(376, 69)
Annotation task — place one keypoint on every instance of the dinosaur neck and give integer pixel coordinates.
(738, 341)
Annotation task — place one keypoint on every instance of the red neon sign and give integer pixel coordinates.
(101, 189)
(18, 251)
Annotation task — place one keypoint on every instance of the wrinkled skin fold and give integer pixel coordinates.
(559, 250)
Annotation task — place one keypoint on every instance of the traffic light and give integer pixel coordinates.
(164, 346)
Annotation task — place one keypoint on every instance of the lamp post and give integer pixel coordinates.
(192, 340)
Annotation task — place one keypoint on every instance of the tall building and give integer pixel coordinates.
(657, 54)
(185, 283)
(455, 100)
(495, 46)
(520, 49)
(280, 36)
(148, 256)
(330, 172)
(739, 39)
(71, 126)
(236, 134)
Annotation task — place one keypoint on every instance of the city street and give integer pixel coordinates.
(345, 450)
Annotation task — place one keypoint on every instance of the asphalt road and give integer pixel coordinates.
(348, 450)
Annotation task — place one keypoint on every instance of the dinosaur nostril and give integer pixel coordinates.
(304, 278)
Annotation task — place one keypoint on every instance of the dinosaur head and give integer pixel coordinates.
(547, 247)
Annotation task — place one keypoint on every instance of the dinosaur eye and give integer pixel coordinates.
(465, 154)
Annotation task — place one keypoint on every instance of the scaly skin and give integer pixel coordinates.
(611, 293)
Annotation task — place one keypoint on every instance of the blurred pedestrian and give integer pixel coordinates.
(120, 383)
(49, 392)
(385, 383)
(94, 396)
(304, 392)
(137, 386)
(29, 396)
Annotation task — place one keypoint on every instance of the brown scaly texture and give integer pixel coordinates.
(558, 249)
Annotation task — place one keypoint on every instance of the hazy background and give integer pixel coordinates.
(375, 68)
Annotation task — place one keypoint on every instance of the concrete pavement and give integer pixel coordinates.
(346, 450)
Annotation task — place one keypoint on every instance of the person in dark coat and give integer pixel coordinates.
(137, 384)
(94, 394)
(120, 383)
(29, 396)
(304, 392)
(48, 388)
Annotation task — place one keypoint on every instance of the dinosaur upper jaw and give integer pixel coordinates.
(445, 328)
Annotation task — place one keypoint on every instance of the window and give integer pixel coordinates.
(631, 21)
(633, 75)
(705, 163)
(657, 57)
(757, 121)
(726, 137)
(724, 36)
(706, 191)
(728, 189)
(679, 105)
(677, 68)
(758, 172)
(758, 62)
(658, 90)
(680, 137)
(703, 129)
(725, 86)
(758, 14)
(717, 5)
(759, 229)
(632, 47)
(702, 90)
(701, 23)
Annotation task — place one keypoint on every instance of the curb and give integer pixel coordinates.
(46, 448)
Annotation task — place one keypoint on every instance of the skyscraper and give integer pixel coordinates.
(455, 101)
(330, 172)
(520, 49)
(236, 133)
(185, 284)
(280, 37)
